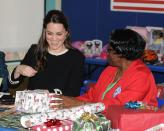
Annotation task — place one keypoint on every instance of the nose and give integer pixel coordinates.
(54, 37)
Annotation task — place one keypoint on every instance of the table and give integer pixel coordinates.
(94, 65)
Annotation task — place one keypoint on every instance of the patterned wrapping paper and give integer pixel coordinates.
(71, 114)
(32, 101)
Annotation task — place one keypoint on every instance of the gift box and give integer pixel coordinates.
(29, 101)
(54, 125)
(126, 119)
(91, 122)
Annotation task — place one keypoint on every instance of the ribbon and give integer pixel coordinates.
(133, 105)
(140, 105)
(89, 121)
(53, 122)
(86, 116)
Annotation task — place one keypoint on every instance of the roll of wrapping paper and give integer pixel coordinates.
(71, 114)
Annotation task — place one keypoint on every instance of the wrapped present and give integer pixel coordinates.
(54, 125)
(71, 114)
(32, 101)
(128, 119)
(91, 122)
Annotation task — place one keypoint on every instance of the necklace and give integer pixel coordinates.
(58, 53)
(115, 80)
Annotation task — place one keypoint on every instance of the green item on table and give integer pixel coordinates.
(12, 121)
(90, 122)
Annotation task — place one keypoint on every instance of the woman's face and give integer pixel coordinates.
(55, 36)
(113, 57)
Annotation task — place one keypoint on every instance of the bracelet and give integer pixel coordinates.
(12, 82)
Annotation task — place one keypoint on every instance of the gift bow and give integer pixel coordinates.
(90, 122)
(89, 117)
(139, 105)
(53, 122)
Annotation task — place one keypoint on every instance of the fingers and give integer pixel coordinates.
(26, 70)
(57, 106)
(55, 101)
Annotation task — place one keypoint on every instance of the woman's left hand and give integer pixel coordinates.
(61, 102)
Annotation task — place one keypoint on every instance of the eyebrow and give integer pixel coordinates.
(55, 32)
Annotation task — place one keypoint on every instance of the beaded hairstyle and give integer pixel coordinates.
(127, 43)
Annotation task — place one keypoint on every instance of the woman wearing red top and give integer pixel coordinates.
(126, 79)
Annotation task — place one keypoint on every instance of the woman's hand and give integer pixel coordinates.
(25, 71)
(61, 101)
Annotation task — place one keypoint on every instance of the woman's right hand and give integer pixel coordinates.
(25, 71)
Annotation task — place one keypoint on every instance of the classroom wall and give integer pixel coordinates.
(91, 19)
(21, 23)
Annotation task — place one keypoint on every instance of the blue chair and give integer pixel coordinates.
(160, 102)
(86, 86)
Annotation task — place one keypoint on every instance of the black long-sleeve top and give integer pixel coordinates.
(64, 72)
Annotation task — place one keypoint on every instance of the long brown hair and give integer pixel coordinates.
(53, 16)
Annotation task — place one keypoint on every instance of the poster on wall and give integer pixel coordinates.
(150, 6)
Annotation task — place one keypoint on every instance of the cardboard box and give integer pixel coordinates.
(134, 119)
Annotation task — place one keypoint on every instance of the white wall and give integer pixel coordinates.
(20, 23)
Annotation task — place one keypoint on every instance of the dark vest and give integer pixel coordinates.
(3, 73)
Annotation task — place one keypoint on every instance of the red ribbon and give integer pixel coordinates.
(53, 122)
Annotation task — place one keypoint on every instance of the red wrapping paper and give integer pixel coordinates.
(134, 119)
(66, 125)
